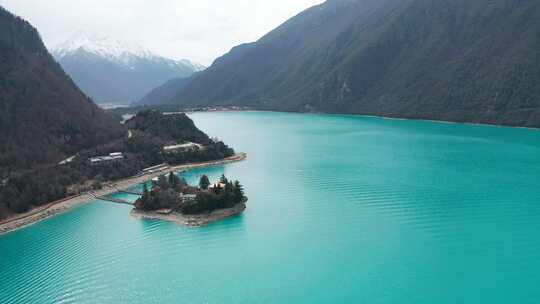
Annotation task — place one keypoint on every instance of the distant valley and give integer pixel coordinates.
(115, 72)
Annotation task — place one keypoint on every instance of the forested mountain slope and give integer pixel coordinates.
(458, 60)
(43, 115)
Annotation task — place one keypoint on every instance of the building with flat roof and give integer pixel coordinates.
(112, 157)
(179, 148)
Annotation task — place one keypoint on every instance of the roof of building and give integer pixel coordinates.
(105, 158)
(111, 156)
(220, 184)
(181, 146)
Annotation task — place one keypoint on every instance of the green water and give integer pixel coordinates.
(342, 210)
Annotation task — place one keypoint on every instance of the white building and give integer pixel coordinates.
(116, 156)
(187, 147)
(219, 185)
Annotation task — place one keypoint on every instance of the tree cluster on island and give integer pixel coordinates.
(172, 192)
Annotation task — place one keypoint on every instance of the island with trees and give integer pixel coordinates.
(172, 199)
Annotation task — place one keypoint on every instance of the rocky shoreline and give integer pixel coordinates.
(191, 220)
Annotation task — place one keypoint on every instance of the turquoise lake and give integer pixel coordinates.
(342, 209)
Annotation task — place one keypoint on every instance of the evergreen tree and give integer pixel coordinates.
(228, 196)
(163, 183)
(174, 180)
(238, 191)
(229, 188)
(145, 194)
(223, 179)
(204, 182)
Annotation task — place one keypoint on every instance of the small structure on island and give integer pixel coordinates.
(112, 157)
(220, 185)
(182, 148)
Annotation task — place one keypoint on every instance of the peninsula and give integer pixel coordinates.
(45, 211)
(172, 199)
(153, 144)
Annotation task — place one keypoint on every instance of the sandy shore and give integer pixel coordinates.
(40, 213)
(191, 220)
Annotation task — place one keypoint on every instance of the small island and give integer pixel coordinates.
(172, 199)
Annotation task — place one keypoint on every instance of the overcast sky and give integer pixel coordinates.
(199, 30)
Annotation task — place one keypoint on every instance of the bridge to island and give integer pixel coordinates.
(130, 192)
(127, 191)
(114, 199)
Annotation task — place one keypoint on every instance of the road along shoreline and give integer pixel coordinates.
(43, 212)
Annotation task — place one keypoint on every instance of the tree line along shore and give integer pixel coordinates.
(45, 211)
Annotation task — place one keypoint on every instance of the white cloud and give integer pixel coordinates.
(199, 30)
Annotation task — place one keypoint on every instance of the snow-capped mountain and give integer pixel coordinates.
(113, 71)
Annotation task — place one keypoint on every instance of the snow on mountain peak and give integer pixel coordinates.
(102, 46)
(113, 50)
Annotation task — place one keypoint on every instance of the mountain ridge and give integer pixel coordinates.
(115, 50)
(456, 61)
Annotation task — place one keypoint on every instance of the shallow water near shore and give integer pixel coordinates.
(342, 209)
